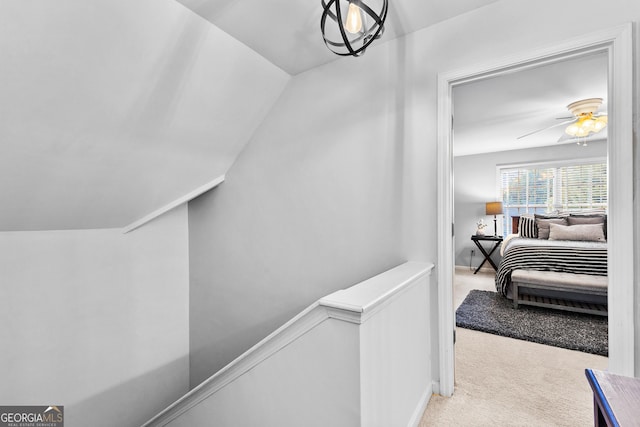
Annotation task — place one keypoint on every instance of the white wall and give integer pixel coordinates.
(475, 184)
(314, 381)
(348, 112)
(96, 320)
(308, 208)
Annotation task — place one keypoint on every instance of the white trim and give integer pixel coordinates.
(367, 297)
(621, 224)
(184, 199)
(618, 43)
(415, 419)
(483, 269)
(552, 163)
(276, 341)
(446, 232)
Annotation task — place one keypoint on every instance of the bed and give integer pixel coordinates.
(535, 249)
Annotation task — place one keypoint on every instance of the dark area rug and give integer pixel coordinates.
(491, 312)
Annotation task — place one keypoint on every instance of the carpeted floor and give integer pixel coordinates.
(490, 312)
(505, 382)
(502, 381)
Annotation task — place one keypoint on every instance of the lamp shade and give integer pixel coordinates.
(494, 208)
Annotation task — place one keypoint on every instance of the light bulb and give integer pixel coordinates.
(589, 125)
(572, 129)
(353, 23)
(600, 124)
(582, 132)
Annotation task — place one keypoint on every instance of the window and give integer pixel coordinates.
(541, 188)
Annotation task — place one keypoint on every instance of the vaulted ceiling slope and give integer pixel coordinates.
(287, 32)
(113, 108)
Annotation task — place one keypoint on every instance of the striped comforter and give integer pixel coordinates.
(550, 255)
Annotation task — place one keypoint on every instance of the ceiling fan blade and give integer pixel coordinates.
(565, 138)
(547, 128)
(573, 117)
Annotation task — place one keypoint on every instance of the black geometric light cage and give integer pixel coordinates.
(335, 34)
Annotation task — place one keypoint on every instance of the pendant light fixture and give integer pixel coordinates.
(352, 25)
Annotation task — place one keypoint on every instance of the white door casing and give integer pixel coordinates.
(617, 42)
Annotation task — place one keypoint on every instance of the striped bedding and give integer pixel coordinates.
(550, 255)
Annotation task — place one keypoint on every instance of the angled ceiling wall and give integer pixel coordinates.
(288, 32)
(113, 108)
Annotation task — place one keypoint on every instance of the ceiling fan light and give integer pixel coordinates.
(584, 106)
(586, 120)
(582, 132)
(572, 129)
(589, 125)
(600, 123)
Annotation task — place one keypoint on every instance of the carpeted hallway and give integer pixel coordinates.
(506, 382)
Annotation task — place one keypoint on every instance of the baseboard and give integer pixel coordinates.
(435, 387)
(488, 269)
(422, 406)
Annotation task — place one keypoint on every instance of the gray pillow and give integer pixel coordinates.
(543, 224)
(584, 232)
(585, 219)
(589, 219)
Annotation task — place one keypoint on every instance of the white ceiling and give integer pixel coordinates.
(490, 114)
(287, 32)
(113, 109)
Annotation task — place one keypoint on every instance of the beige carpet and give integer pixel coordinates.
(506, 382)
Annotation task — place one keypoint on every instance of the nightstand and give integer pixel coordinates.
(477, 238)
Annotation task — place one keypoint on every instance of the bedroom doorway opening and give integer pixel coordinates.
(620, 210)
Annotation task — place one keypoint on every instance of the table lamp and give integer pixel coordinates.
(494, 208)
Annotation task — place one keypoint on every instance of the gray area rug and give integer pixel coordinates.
(491, 312)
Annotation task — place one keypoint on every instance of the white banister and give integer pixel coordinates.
(360, 356)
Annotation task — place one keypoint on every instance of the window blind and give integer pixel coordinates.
(548, 188)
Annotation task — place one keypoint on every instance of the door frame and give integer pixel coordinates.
(617, 42)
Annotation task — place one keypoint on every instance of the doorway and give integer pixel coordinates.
(617, 44)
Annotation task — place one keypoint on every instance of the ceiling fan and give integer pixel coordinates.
(585, 121)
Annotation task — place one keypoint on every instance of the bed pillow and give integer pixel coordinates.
(584, 212)
(527, 227)
(584, 232)
(585, 219)
(543, 222)
(575, 219)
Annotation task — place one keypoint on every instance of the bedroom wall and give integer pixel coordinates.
(96, 320)
(475, 184)
(291, 197)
